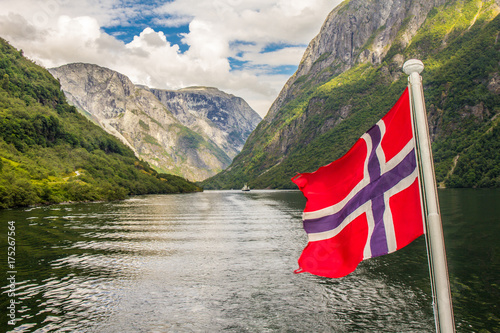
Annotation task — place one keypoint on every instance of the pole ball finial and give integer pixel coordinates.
(412, 66)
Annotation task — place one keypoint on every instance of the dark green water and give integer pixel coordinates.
(224, 261)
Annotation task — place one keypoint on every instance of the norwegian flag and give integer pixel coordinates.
(365, 204)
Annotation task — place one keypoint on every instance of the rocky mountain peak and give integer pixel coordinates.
(94, 82)
(227, 119)
(355, 31)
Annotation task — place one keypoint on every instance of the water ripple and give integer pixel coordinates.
(213, 261)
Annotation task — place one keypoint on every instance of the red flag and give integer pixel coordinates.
(365, 204)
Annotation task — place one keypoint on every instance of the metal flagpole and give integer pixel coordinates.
(439, 269)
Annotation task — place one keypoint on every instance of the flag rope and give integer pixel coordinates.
(424, 211)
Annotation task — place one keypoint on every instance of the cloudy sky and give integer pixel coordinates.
(245, 47)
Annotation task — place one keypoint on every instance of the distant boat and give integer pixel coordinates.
(245, 188)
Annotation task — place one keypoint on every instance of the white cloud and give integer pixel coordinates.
(281, 57)
(17, 27)
(262, 34)
(173, 22)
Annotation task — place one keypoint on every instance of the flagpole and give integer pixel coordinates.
(439, 269)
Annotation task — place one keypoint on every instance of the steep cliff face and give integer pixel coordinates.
(181, 143)
(226, 119)
(355, 31)
(350, 76)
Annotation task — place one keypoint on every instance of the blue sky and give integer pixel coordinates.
(248, 48)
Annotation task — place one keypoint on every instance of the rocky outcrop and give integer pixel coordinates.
(226, 119)
(189, 136)
(355, 31)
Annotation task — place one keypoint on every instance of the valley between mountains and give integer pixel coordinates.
(193, 132)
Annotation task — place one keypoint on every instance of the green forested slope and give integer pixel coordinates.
(459, 45)
(50, 153)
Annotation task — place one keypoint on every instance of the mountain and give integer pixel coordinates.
(50, 153)
(226, 119)
(351, 74)
(194, 132)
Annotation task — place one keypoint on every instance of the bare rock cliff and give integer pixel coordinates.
(355, 31)
(226, 119)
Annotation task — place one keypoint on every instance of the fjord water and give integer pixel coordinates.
(224, 261)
